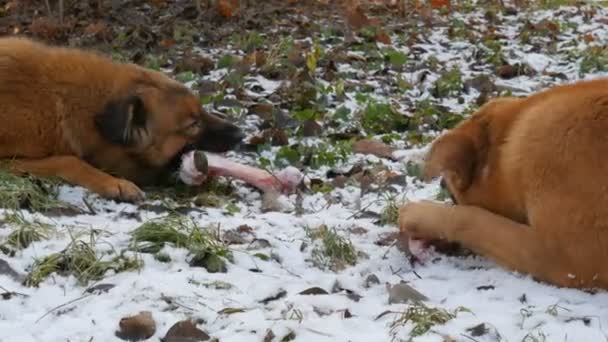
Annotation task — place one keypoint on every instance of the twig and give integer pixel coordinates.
(469, 337)
(13, 292)
(61, 306)
(48, 8)
(89, 206)
(61, 12)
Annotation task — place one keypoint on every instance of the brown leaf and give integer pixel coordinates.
(311, 128)
(245, 229)
(269, 337)
(282, 293)
(511, 71)
(374, 147)
(403, 293)
(383, 37)
(6, 269)
(356, 17)
(194, 63)
(263, 110)
(439, 3)
(387, 239)
(45, 28)
(276, 136)
(257, 58)
(358, 230)
(185, 331)
(136, 328)
(227, 8)
(314, 291)
(98, 29)
(167, 43)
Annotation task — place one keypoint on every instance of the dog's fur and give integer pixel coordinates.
(106, 126)
(529, 179)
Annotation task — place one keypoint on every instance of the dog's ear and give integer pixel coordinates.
(123, 121)
(455, 157)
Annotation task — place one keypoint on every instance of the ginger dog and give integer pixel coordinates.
(528, 176)
(106, 126)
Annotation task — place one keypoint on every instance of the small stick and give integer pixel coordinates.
(61, 306)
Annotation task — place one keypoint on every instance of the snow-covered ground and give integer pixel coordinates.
(239, 306)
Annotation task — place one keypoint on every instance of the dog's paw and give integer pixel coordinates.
(121, 190)
(422, 220)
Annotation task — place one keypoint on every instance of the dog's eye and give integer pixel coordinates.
(194, 125)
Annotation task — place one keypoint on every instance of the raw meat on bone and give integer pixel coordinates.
(197, 166)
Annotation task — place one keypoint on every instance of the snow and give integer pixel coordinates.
(513, 306)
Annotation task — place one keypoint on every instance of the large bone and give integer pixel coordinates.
(197, 166)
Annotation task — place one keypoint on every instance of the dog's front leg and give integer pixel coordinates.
(78, 172)
(513, 245)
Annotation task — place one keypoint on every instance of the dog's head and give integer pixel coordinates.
(461, 154)
(158, 118)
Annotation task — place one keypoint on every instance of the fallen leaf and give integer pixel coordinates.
(185, 331)
(314, 291)
(230, 311)
(374, 147)
(403, 293)
(356, 17)
(100, 288)
(358, 230)
(269, 337)
(227, 8)
(259, 244)
(245, 229)
(311, 128)
(6, 269)
(136, 328)
(282, 293)
(485, 287)
(370, 280)
(478, 330)
(383, 37)
(211, 262)
(439, 3)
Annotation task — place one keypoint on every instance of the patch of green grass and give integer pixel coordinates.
(329, 155)
(233, 208)
(424, 318)
(81, 260)
(226, 61)
(428, 112)
(307, 114)
(395, 58)
(152, 62)
(315, 156)
(162, 257)
(449, 83)
(594, 59)
(390, 213)
(24, 232)
(152, 236)
(287, 155)
(186, 76)
(458, 29)
(26, 192)
(381, 118)
(248, 42)
(334, 251)
(206, 248)
(492, 53)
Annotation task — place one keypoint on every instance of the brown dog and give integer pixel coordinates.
(529, 179)
(95, 123)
